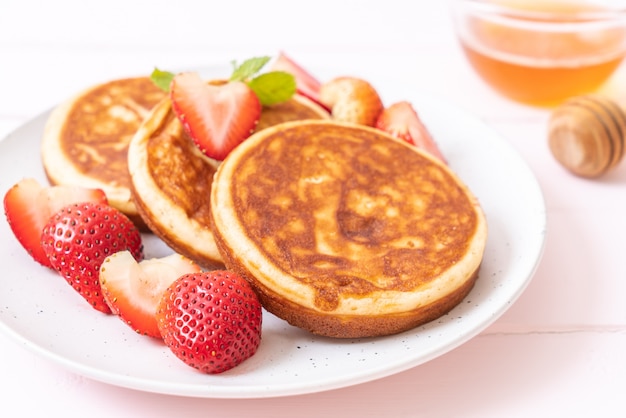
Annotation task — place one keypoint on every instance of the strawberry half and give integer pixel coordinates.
(28, 206)
(218, 117)
(133, 289)
(79, 237)
(401, 120)
(211, 321)
(306, 84)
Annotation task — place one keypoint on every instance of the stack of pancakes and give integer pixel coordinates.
(341, 229)
(172, 179)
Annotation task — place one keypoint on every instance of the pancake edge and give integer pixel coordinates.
(161, 216)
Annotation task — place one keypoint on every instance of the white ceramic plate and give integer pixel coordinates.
(40, 311)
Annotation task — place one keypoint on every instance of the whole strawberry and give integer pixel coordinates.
(79, 237)
(211, 320)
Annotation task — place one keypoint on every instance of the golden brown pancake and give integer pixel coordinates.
(86, 138)
(171, 179)
(345, 231)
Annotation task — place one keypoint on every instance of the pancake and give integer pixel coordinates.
(85, 139)
(171, 179)
(345, 231)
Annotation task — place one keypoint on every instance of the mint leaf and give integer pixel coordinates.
(162, 79)
(273, 87)
(248, 68)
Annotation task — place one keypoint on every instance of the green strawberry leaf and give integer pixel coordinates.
(273, 87)
(162, 79)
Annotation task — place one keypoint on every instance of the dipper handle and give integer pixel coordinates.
(586, 135)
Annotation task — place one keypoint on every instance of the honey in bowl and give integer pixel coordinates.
(541, 52)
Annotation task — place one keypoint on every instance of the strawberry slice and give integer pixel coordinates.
(401, 120)
(28, 206)
(306, 84)
(218, 117)
(133, 290)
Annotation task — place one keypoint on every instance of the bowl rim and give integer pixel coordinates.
(503, 12)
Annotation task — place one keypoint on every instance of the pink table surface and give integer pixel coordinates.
(558, 351)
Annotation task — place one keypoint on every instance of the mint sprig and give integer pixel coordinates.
(248, 69)
(271, 87)
(162, 79)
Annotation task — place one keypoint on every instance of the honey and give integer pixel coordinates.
(541, 84)
(544, 52)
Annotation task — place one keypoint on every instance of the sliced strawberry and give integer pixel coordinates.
(133, 290)
(306, 84)
(401, 120)
(28, 206)
(79, 237)
(352, 100)
(216, 117)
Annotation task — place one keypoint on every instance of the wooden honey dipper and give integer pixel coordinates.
(586, 134)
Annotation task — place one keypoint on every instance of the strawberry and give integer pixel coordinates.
(211, 321)
(306, 84)
(218, 117)
(79, 237)
(133, 289)
(401, 120)
(28, 206)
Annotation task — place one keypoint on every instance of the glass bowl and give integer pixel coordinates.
(542, 52)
